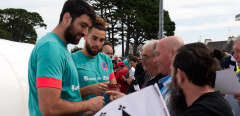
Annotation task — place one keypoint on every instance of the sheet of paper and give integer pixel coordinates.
(147, 102)
(227, 82)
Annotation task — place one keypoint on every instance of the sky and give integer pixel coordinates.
(195, 20)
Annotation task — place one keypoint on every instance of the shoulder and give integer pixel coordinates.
(77, 54)
(123, 72)
(197, 110)
(50, 42)
(78, 58)
(104, 57)
(211, 103)
(132, 69)
(51, 49)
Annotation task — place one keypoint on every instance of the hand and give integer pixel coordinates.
(114, 94)
(98, 88)
(124, 78)
(95, 104)
(129, 80)
(237, 96)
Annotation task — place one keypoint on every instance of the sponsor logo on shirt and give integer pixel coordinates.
(74, 87)
(86, 78)
(104, 66)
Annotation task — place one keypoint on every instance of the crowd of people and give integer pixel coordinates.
(83, 82)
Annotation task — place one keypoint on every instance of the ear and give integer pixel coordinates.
(67, 19)
(181, 77)
(172, 51)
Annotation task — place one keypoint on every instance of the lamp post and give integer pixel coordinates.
(160, 35)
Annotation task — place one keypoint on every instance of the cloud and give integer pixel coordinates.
(187, 10)
(49, 10)
(193, 13)
(206, 26)
(195, 16)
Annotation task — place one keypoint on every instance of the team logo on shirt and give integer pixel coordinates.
(104, 66)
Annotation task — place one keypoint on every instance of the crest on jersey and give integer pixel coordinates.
(104, 66)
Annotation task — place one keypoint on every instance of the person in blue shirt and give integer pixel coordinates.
(164, 54)
(54, 88)
(157, 59)
(95, 69)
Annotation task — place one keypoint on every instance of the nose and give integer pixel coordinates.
(85, 31)
(98, 43)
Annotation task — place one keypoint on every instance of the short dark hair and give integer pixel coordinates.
(219, 54)
(196, 61)
(77, 8)
(133, 58)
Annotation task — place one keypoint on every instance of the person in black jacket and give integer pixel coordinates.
(192, 85)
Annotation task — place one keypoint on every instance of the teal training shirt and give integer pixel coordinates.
(51, 65)
(93, 70)
(126, 62)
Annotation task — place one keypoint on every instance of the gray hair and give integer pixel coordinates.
(151, 44)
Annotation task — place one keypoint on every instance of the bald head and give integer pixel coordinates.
(165, 51)
(170, 43)
(107, 49)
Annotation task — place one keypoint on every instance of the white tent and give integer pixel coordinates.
(14, 80)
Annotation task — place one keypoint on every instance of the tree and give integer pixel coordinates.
(132, 21)
(20, 24)
(168, 26)
(5, 34)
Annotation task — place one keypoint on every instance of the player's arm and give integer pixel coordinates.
(50, 67)
(97, 89)
(114, 94)
(113, 81)
(51, 104)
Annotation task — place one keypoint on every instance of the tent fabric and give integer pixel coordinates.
(14, 58)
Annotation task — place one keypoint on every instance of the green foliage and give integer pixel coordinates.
(4, 34)
(169, 26)
(133, 21)
(21, 24)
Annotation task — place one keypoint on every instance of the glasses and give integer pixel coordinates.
(144, 57)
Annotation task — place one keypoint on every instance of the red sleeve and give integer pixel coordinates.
(49, 82)
(112, 76)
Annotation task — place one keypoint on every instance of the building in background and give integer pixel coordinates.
(237, 17)
(225, 46)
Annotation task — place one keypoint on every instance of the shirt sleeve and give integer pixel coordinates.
(112, 76)
(131, 72)
(50, 66)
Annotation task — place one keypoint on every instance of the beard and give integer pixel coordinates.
(70, 37)
(90, 51)
(177, 102)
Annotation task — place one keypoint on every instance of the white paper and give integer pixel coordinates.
(136, 87)
(147, 102)
(227, 82)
